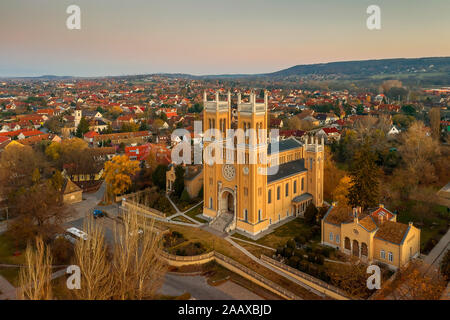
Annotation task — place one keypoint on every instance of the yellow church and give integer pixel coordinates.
(261, 181)
(373, 235)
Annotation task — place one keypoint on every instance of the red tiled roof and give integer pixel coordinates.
(25, 132)
(4, 139)
(330, 130)
(91, 134)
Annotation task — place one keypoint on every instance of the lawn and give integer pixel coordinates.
(184, 205)
(7, 256)
(433, 225)
(182, 219)
(257, 251)
(282, 234)
(196, 211)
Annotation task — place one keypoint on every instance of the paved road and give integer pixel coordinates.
(7, 290)
(197, 286)
(435, 256)
(105, 222)
(85, 207)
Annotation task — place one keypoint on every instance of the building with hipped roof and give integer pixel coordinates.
(372, 235)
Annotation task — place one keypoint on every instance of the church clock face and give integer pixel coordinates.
(228, 172)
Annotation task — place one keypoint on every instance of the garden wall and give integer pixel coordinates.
(232, 265)
(309, 280)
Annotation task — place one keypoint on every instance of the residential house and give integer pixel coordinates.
(329, 134)
(372, 236)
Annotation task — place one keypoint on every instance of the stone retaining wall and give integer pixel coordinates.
(232, 265)
(309, 280)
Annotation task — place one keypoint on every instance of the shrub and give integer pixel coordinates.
(176, 234)
(308, 235)
(303, 266)
(291, 244)
(311, 257)
(198, 245)
(185, 196)
(445, 265)
(293, 261)
(313, 270)
(323, 275)
(288, 252)
(299, 253)
(311, 213)
(430, 244)
(300, 240)
(280, 251)
(320, 259)
(200, 193)
(62, 251)
(316, 230)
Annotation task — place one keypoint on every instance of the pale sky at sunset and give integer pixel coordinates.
(119, 37)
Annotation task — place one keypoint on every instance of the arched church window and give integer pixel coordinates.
(347, 243)
(364, 250)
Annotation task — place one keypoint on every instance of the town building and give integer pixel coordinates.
(193, 179)
(374, 235)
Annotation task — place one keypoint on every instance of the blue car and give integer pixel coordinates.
(98, 214)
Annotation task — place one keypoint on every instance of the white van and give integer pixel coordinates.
(77, 233)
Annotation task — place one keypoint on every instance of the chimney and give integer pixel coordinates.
(410, 224)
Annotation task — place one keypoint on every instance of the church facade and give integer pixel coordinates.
(261, 181)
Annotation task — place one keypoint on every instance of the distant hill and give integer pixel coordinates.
(423, 71)
(369, 68)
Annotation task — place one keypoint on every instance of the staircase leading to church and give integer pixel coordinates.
(222, 221)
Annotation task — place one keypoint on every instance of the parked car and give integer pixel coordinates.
(98, 214)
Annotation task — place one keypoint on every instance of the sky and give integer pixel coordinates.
(119, 37)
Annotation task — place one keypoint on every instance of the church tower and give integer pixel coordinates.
(252, 167)
(216, 116)
(77, 116)
(314, 163)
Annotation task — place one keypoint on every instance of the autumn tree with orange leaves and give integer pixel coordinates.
(417, 281)
(118, 173)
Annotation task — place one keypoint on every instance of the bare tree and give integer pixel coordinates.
(134, 270)
(35, 277)
(91, 256)
(137, 268)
